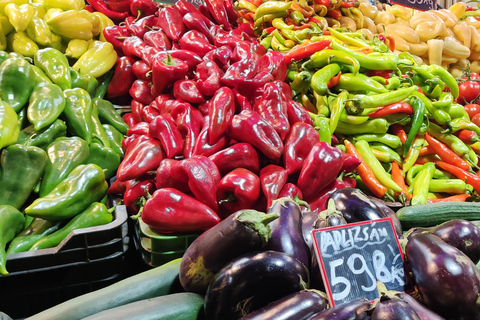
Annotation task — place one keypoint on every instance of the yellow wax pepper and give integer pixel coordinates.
(475, 40)
(368, 10)
(463, 33)
(21, 43)
(39, 31)
(385, 18)
(71, 24)
(458, 9)
(403, 31)
(39, 10)
(65, 4)
(427, 30)
(448, 17)
(435, 49)
(104, 22)
(6, 25)
(76, 48)
(454, 48)
(57, 42)
(94, 20)
(3, 3)
(400, 11)
(97, 60)
(19, 16)
(51, 13)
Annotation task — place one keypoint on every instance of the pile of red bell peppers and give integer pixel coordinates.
(213, 127)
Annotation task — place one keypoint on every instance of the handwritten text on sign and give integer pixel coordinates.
(353, 257)
(423, 5)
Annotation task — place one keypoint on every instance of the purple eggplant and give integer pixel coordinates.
(251, 282)
(356, 206)
(423, 312)
(287, 234)
(333, 217)
(393, 308)
(391, 214)
(353, 310)
(299, 305)
(241, 232)
(414, 231)
(447, 280)
(309, 219)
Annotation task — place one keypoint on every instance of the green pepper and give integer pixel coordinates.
(446, 77)
(78, 80)
(4, 55)
(30, 137)
(22, 122)
(422, 184)
(37, 229)
(115, 138)
(9, 129)
(392, 154)
(359, 82)
(98, 133)
(11, 224)
(458, 124)
(394, 83)
(40, 76)
(321, 104)
(384, 156)
(266, 42)
(104, 157)
(279, 24)
(378, 125)
(417, 120)
(336, 109)
(16, 82)
(64, 154)
(372, 61)
(321, 78)
(390, 140)
(413, 153)
(444, 101)
(348, 118)
(269, 17)
(456, 110)
(78, 113)
(428, 78)
(84, 185)
(297, 35)
(92, 84)
(452, 141)
(344, 37)
(55, 65)
(102, 84)
(408, 56)
(270, 7)
(324, 57)
(297, 17)
(301, 81)
(439, 115)
(362, 101)
(450, 186)
(46, 104)
(21, 169)
(96, 214)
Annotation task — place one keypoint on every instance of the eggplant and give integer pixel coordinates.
(241, 232)
(299, 305)
(287, 236)
(414, 231)
(309, 219)
(353, 310)
(356, 206)
(393, 308)
(447, 280)
(251, 282)
(423, 312)
(390, 214)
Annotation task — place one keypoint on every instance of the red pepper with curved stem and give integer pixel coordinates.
(136, 107)
(101, 6)
(320, 202)
(187, 90)
(185, 7)
(122, 79)
(133, 47)
(165, 71)
(467, 136)
(135, 193)
(249, 126)
(245, 69)
(167, 133)
(194, 22)
(141, 70)
(239, 189)
(164, 179)
(208, 76)
(150, 112)
(300, 52)
(141, 91)
(129, 120)
(221, 110)
(239, 155)
(300, 140)
(195, 41)
(115, 35)
(171, 22)
(219, 13)
(319, 169)
(297, 113)
(140, 128)
(350, 162)
(119, 5)
(203, 147)
(142, 158)
(290, 190)
(248, 86)
(241, 102)
(445, 153)
(272, 179)
(171, 210)
(157, 39)
(142, 8)
(399, 107)
(221, 56)
(142, 25)
(274, 62)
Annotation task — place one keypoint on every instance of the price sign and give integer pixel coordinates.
(423, 5)
(196, 3)
(353, 257)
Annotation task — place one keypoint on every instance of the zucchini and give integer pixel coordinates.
(432, 214)
(149, 284)
(178, 306)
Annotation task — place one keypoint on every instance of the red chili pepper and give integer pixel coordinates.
(445, 153)
(165, 131)
(399, 107)
(257, 3)
(115, 35)
(240, 155)
(467, 136)
(303, 26)
(290, 190)
(274, 62)
(133, 47)
(187, 90)
(164, 179)
(296, 113)
(193, 21)
(399, 132)
(119, 5)
(195, 41)
(269, 30)
(320, 202)
(220, 55)
(190, 58)
(470, 178)
(136, 107)
(123, 78)
(140, 128)
(334, 13)
(320, 168)
(185, 7)
(89, 8)
(334, 80)
(141, 71)
(239, 189)
(150, 112)
(241, 102)
(300, 140)
(232, 14)
(457, 197)
(350, 162)
(398, 177)
(142, 25)
(219, 13)
(135, 193)
(380, 73)
(300, 52)
(165, 71)
(141, 91)
(171, 210)
(272, 179)
(203, 146)
(249, 126)
(171, 22)
(128, 118)
(208, 76)
(101, 6)
(221, 110)
(157, 39)
(140, 160)
(142, 8)
(349, 4)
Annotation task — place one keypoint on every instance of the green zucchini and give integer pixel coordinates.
(178, 306)
(149, 284)
(432, 214)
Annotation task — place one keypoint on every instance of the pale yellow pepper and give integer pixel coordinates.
(458, 9)
(435, 49)
(454, 48)
(369, 24)
(425, 16)
(65, 4)
(104, 22)
(475, 67)
(456, 71)
(19, 16)
(368, 10)
(447, 16)
(6, 25)
(463, 33)
(3, 3)
(94, 20)
(475, 40)
(97, 60)
(385, 18)
(19, 42)
(348, 23)
(51, 13)
(76, 48)
(71, 24)
(447, 60)
(403, 31)
(400, 11)
(471, 21)
(39, 10)
(39, 31)
(427, 30)
(418, 49)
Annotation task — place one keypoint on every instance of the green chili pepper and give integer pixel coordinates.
(344, 36)
(266, 42)
(362, 101)
(394, 156)
(321, 104)
(384, 157)
(439, 115)
(84, 185)
(383, 177)
(422, 184)
(78, 113)
(377, 125)
(380, 80)
(278, 36)
(103, 82)
(104, 157)
(115, 138)
(37, 229)
(408, 56)
(348, 118)
(372, 61)
(452, 141)
(394, 83)
(413, 153)
(55, 65)
(301, 81)
(446, 77)
(417, 120)
(359, 82)
(9, 126)
(390, 140)
(92, 84)
(297, 35)
(322, 125)
(450, 186)
(433, 92)
(269, 17)
(428, 77)
(444, 101)
(471, 157)
(458, 124)
(297, 17)
(278, 23)
(11, 224)
(41, 139)
(336, 109)
(16, 82)
(321, 78)
(324, 57)
(270, 7)
(45, 105)
(242, 4)
(456, 110)
(96, 214)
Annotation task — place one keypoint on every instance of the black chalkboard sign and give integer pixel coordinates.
(423, 5)
(353, 257)
(196, 3)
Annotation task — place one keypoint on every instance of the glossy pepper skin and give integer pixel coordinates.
(64, 155)
(104, 157)
(42, 139)
(299, 141)
(170, 21)
(203, 146)
(133, 194)
(164, 178)
(239, 155)
(221, 111)
(165, 130)
(9, 130)
(55, 65)
(208, 76)
(187, 90)
(11, 223)
(109, 115)
(219, 13)
(84, 185)
(16, 82)
(36, 230)
(97, 60)
(165, 71)
(122, 79)
(195, 41)
(171, 210)
(45, 105)
(157, 39)
(78, 113)
(272, 178)
(21, 170)
(141, 158)
(115, 138)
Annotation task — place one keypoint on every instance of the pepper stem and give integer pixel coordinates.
(169, 60)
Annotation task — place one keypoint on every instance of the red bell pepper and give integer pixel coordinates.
(245, 69)
(350, 162)
(165, 72)
(133, 46)
(185, 7)
(193, 21)
(208, 76)
(123, 78)
(101, 6)
(115, 35)
(141, 70)
(232, 14)
(171, 22)
(171, 210)
(141, 91)
(220, 55)
(290, 190)
(164, 179)
(135, 193)
(157, 39)
(119, 5)
(130, 142)
(249, 87)
(272, 179)
(239, 155)
(142, 25)
(165, 130)
(187, 90)
(119, 187)
(219, 13)
(241, 102)
(142, 8)
(190, 58)
(297, 113)
(129, 120)
(203, 10)
(239, 189)
(195, 41)
(140, 128)
(303, 51)
(203, 146)
(136, 107)
(221, 110)
(249, 126)
(274, 62)
(320, 202)
(140, 160)
(150, 112)
(319, 169)
(243, 50)
(188, 121)
(300, 140)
